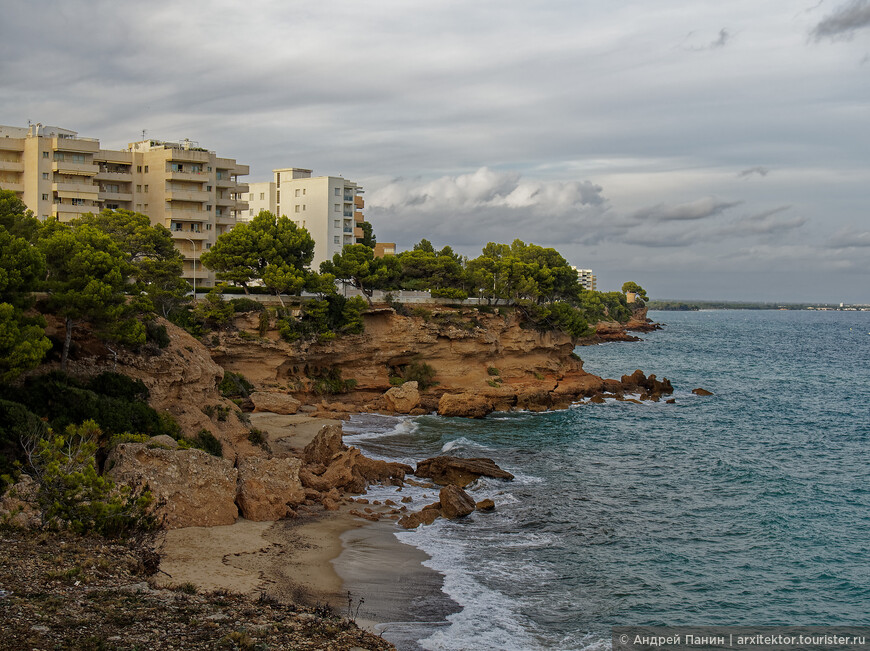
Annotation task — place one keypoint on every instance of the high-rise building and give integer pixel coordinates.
(586, 278)
(189, 190)
(328, 207)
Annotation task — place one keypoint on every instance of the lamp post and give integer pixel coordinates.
(193, 248)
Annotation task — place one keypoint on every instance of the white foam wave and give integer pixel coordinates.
(462, 442)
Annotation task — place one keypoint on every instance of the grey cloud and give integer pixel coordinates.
(694, 210)
(764, 223)
(847, 238)
(844, 21)
(761, 171)
(722, 40)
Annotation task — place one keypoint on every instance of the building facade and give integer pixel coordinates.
(328, 207)
(189, 190)
(586, 278)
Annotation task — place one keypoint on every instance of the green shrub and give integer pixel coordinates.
(257, 437)
(331, 382)
(492, 370)
(396, 381)
(126, 437)
(116, 385)
(264, 323)
(156, 333)
(235, 385)
(450, 292)
(421, 373)
(17, 425)
(493, 383)
(245, 304)
(207, 442)
(71, 493)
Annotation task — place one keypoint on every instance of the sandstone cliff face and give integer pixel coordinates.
(463, 346)
(181, 379)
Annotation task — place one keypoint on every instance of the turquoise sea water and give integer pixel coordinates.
(748, 507)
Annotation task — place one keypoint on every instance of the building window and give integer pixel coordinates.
(45, 154)
(208, 188)
(251, 212)
(337, 192)
(277, 196)
(146, 188)
(208, 227)
(298, 192)
(262, 196)
(298, 207)
(77, 202)
(208, 207)
(139, 169)
(208, 245)
(338, 207)
(175, 226)
(45, 176)
(138, 188)
(336, 240)
(146, 169)
(44, 196)
(113, 206)
(336, 223)
(303, 207)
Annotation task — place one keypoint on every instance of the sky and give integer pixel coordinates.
(705, 149)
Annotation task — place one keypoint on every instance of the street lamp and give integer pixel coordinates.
(193, 248)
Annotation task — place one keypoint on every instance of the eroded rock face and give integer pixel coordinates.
(276, 403)
(404, 398)
(18, 504)
(459, 472)
(427, 515)
(468, 405)
(269, 488)
(352, 472)
(650, 388)
(455, 502)
(198, 489)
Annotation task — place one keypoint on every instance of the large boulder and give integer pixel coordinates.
(268, 488)
(404, 398)
(192, 488)
(352, 472)
(468, 405)
(460, 472)
(455, 502)
(277, 403)
(324, 446)
(427, 515)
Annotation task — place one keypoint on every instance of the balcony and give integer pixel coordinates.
(11, 166)
(65, 211)
(116, 196)
(14, 186)
(82, 169)
(358, 202)
(358, 232)
(358, 217)
(75, 189)
(187, 215)
(348, 229)
(11, 144)
(200, 177)
(348, 197)
(240, 206)
(187, 155)
(187, 195)
(225, 182)
(241, 187)
(114, 176)
(225, 220)
(224, 201)
(348, 213)
(88, 145)
(190, 235)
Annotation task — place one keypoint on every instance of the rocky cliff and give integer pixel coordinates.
(482, 361)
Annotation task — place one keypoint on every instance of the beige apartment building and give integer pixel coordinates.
(189, 190)
(586, 278)
(328, 207)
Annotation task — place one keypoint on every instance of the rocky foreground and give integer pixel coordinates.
(80, 593)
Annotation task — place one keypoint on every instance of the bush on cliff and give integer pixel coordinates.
(72, 494)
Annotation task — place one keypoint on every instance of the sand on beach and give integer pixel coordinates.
(289, 433)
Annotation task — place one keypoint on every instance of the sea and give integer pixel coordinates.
(747, 507)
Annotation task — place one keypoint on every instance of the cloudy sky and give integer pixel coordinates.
(705, 149)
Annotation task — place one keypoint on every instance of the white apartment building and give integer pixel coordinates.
(328, 207)
(586, 278)
(189, 190)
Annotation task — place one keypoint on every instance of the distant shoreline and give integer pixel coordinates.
(669, 305)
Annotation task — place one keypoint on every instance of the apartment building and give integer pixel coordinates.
(328, 207)
(189, 190)
(586, 278)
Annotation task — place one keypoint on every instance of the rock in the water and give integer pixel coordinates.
(485, 505)
(459, 472)
(469, 405)
(277, 403)
(324, 446)
(702, 392)
(427, 515)
(352, 472)
(199, 490)
(455, 502)
(404, 398)
(268, 488)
